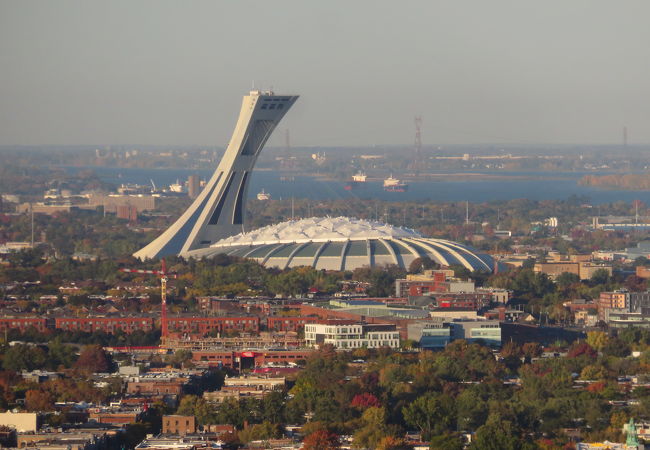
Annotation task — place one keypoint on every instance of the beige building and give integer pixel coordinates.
(585, 270)
(112, 202)
(612, 300)
(22, 422)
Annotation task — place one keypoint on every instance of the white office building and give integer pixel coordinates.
(346, 334)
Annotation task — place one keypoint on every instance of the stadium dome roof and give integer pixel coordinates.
(342, 243)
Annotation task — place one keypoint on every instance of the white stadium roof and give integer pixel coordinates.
(342, 243)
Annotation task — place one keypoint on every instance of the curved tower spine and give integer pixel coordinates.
(218, 211)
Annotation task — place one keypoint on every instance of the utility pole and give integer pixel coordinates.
(31, 209)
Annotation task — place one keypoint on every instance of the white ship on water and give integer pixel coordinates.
(394, 185)
(263, 195)
(359, 177)
(177, 187)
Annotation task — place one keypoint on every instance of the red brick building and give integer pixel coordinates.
(249, 359)
(156, 387)
(179, 425)
(106, 324)
(205, 325)
(22, 323)
(472, 300)
(115, 418)
(279, 323)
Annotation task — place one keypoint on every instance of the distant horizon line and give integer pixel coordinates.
(341, 146)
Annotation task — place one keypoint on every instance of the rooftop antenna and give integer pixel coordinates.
(466, 212)
(292, 209)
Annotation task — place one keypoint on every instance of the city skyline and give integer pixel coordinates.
(161, 73)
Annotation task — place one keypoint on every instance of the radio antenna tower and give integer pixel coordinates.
(625, 138)
(417, 162)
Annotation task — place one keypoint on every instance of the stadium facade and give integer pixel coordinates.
(343, 243)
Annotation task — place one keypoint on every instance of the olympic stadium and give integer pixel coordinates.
(342, 243)
(213, 223)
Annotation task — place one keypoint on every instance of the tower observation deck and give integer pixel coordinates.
(219, 209)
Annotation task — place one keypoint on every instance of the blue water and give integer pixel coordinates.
(315, 189)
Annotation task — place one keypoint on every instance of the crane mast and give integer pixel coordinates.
(164, 276)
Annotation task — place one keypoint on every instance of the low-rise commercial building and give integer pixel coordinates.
(248, 359)
(430, 335)
(431, 281)
(347, 334)
(584, 270)
(488, 331)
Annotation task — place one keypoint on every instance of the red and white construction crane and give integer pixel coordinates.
(164, 276)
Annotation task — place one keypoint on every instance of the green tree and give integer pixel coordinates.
(59, 354)
(566, 279)
(373, 430)
(446, 441)
(431, 412)
(496, 434)
(471, 410)
(192, 405)
(24, 357)
(597, 339)
(600, 276)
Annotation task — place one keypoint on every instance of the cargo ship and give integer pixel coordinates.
(394, 185)
(357, 179)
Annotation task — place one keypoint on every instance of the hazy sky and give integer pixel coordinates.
(173, 72)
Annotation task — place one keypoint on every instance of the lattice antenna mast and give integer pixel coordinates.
(418, 144)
